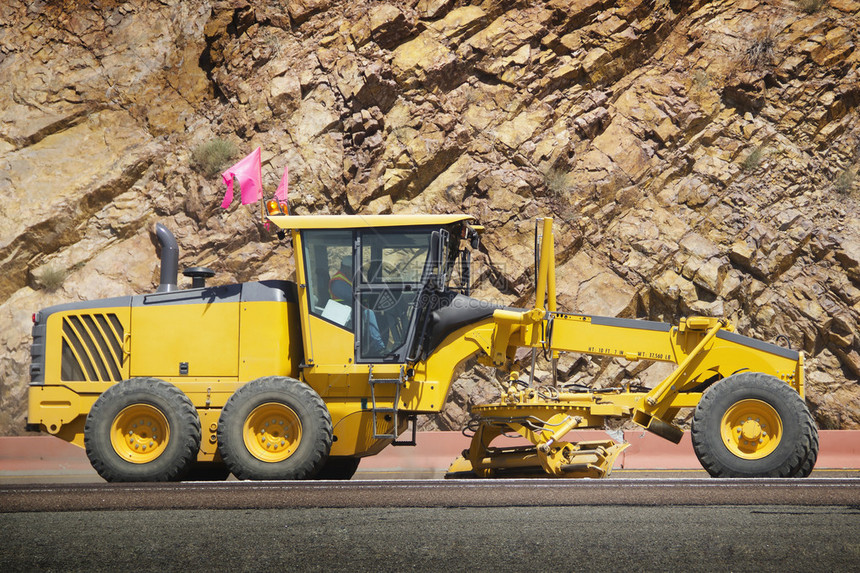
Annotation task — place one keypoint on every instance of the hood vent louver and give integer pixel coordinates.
(92, 348)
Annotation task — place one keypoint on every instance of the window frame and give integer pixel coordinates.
(310, 279)
(363, 286)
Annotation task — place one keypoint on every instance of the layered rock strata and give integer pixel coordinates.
(698, 157)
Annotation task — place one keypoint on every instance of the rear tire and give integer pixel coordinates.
(339, 468)
(811, 458)
(142, 429)
(274, 428)
(754, 425)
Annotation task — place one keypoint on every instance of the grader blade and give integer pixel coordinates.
(593, 459)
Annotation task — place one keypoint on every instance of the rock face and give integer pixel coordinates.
(698, 157)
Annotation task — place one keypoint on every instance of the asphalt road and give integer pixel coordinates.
(517, 525)
(429, 493)
(579, 538)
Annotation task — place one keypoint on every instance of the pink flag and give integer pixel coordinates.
(249, 173)
(284, 185)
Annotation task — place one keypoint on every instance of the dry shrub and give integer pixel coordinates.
(761, 52)
(557, 180)
(752, 161)
(52, 277)
(211, 157)
(810, 6)
(845, 181)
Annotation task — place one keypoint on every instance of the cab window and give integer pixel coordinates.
(392, 262)
(329, 274)
(393, 257)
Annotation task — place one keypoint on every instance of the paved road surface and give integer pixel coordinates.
(518, 525)
(430, 493)
(581, 538)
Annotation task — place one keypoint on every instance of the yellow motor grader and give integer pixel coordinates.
(277, 379)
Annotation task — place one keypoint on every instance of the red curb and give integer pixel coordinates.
(648, 451)
(839, 449)
(41, 454)
(434, 450)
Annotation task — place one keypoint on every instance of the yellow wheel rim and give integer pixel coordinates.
(139, 433)
(751, 429)
(272, 432)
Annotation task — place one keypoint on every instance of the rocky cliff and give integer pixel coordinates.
(698, 157)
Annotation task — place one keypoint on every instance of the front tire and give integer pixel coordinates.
(754, 425)
(142, 429)
(274, 428)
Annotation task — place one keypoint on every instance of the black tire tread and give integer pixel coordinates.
(797, 459)
(180, 455)
(236, 456)
(812, 456)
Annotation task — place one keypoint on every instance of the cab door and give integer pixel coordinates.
(327, 320)
(368, 322)
(391, 265)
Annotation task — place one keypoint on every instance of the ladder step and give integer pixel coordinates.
(397, 382)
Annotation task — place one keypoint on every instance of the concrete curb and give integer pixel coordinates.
(35, 455)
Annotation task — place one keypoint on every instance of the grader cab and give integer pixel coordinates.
(301, 379)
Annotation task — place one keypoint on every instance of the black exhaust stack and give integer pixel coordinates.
(169, 259)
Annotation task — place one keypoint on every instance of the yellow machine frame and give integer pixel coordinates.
(241, 340)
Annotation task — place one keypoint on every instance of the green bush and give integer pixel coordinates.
(210, 158)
